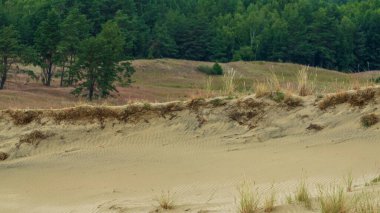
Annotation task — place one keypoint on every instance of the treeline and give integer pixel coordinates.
(334, 34)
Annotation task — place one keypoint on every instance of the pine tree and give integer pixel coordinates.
(9, 49)
(47, 39)
(74, 29)
(98, 66)
(163, 45)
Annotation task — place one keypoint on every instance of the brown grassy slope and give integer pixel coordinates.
(168, 79)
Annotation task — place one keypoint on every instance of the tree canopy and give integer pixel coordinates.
(335, 34)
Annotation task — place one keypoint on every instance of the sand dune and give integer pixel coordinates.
(109, 160)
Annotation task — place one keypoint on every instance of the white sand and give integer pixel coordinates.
(124, 167)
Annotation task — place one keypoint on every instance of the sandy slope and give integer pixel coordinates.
(200, 155)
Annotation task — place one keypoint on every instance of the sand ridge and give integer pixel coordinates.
(119, 159)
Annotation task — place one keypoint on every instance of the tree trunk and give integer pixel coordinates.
(71, 77)
(62, 75)
(5, 71)
(49, 73)
(91, 91)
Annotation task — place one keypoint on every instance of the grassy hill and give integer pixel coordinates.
(162, 80)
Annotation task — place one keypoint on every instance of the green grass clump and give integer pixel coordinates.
(302, 195)
(333, 200)
(248, 199)
(278, 96)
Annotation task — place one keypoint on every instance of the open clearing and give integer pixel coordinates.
(163, 80)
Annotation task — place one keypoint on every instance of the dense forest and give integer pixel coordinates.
(335, 34)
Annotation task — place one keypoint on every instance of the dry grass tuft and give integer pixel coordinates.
(333, 200)
(3, 156)
(356, 98)
(229, 82)
(366, 203)
(261, 90)
(348, 180)
(270, 201)
(302, 195)
(303, 82)
(24, 117)
(209, 92)
(166, 200)
(292, 101)
(248, 199)
(33, 138)
(369, 120)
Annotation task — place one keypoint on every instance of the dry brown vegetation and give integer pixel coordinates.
(316, 127)
(355, 98)
(3, 156)
(292, 101)
(369, 120)
(21, 117)
(33, 138)
(166, 201)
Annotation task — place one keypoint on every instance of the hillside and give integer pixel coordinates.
(168, 79)
(121, 159)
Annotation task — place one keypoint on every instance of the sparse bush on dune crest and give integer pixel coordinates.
(355, 98)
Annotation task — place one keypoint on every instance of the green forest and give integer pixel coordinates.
(81, 34)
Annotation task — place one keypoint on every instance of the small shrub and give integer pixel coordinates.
(292, 101)
(333, 200)
(316, 127)
(147, 106)
(369, 120)
(166, 201)
(216, 69)
(249, 200)
(3, 156)
(217, 102)
(357, 98)
(278, 96)
(376, 80)
(33, 138)
(205, 69)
